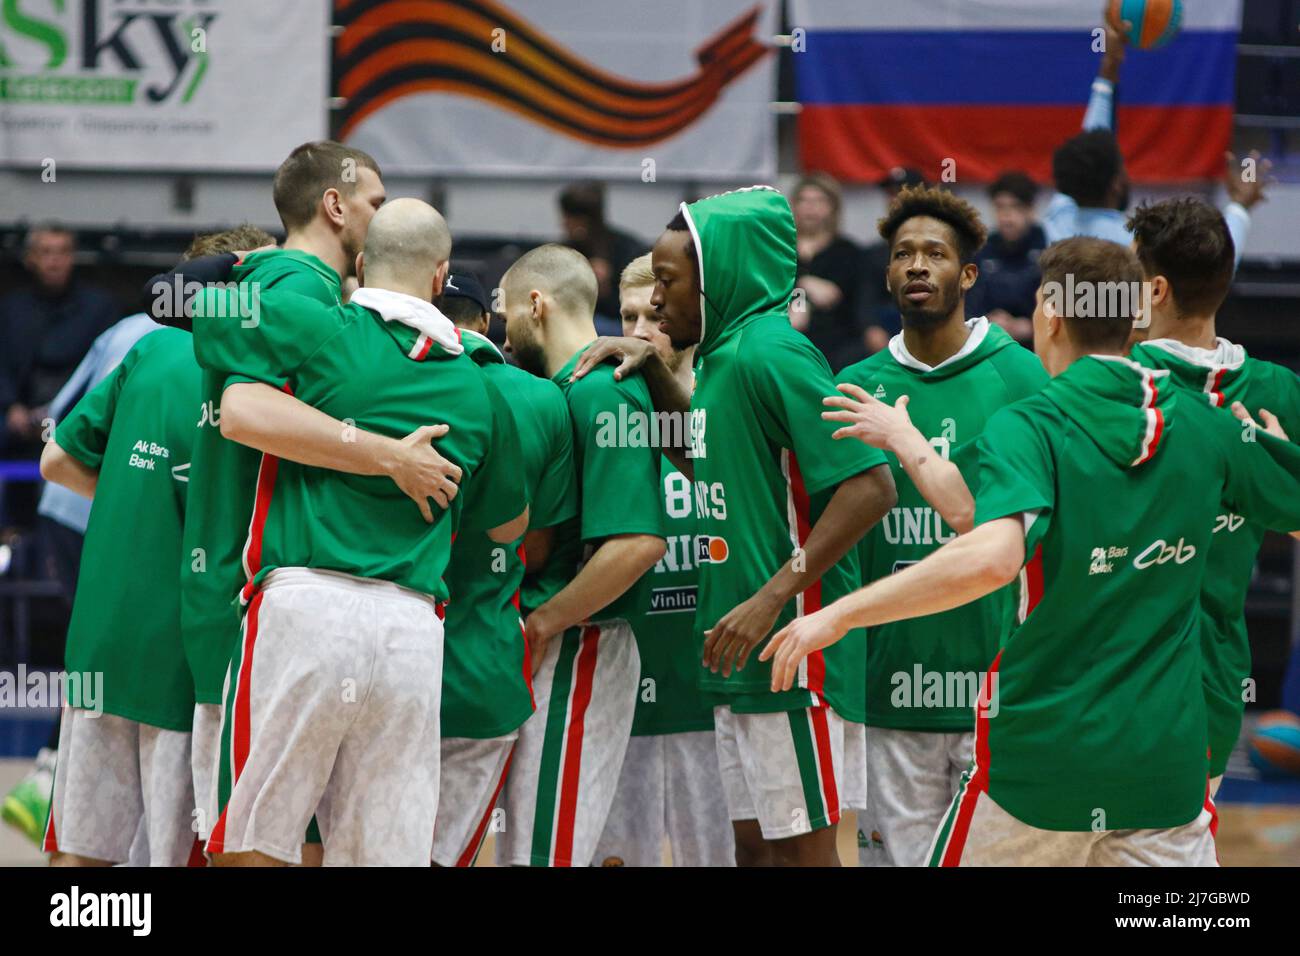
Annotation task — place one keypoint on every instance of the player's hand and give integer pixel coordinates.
(729, 642)
(1270, 423)
(869, 419)
(538, 633)
(801, 637)
(632, 353)
(422, 473)
(1116, 46)
(1248, 191)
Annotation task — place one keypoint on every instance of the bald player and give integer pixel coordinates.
(567, 761)
(333, 693)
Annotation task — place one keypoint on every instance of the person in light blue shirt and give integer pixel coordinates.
(57, 503)
(1093, 186)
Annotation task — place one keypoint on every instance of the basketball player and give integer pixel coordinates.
(1187, 258)
(487, 676)
(670, 785)
(125, 773)
(724, 274)
(1108, 617)
(567, 760)
(342, 640)
(325, 194)
(946, 376)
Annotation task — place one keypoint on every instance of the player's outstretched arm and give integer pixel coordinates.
(62, 469)
(858, 503)
(963, 570)
(1271, 425)
(615, 566)
(666, 393)
(276, 423)
(890, 428)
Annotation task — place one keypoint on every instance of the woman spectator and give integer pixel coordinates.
(829, 272)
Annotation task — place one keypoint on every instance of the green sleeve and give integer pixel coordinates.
(497, 493)
(619, 477)
(1263, 476)
(1015, 475)
(555, 498)
(1290, 415)
(789, 378)
(84, 431)
(261, 339)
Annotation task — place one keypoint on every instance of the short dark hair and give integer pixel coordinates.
(1084, 166)
(586, 199)
(678, 224)
(957, 213)
(47, 227)
(240, 239)
(311, 169)
(1187, 241)
(1017, 184)
(460, 310)
(1100, 265)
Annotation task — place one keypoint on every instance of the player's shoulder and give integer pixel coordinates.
(521, 387)
(868, 369)
(600, 389)
(1034, 414)
(1280, 379)
(162, 338)
(770, 349)
(1019, 368)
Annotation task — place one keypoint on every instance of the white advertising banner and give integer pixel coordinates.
(162, 84)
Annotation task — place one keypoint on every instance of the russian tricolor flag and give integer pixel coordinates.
(999, 84)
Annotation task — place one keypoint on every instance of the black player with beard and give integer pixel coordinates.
(932, 245)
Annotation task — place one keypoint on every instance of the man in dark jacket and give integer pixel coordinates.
(45, 330)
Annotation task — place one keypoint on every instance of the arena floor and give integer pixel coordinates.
(1250, 834)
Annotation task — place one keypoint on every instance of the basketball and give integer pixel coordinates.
(1154, 22)
(1275, 745)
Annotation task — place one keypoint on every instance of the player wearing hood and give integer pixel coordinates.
(758, 454)
(1186, 251)
(1097, 497)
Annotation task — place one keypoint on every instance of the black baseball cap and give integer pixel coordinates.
(465, 285)
(901, 176)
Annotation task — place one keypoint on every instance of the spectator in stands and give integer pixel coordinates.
(609, 250)
(1093, 185)
(830, 271)
(44, 331)
(877, 304)
(1008, 263)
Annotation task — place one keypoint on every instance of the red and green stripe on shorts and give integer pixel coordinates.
(560, 770)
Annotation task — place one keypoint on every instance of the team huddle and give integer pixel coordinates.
(363, 592)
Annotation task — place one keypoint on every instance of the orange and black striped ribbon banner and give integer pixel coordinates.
(389, 49)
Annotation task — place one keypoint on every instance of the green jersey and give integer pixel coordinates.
(761, 451)
(135, 428)
(669, 700)
(224, 473)
(1222, 376)
(486, 673)
(1095, 716)
(918, 677)
(389, 368)
(617, 465)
